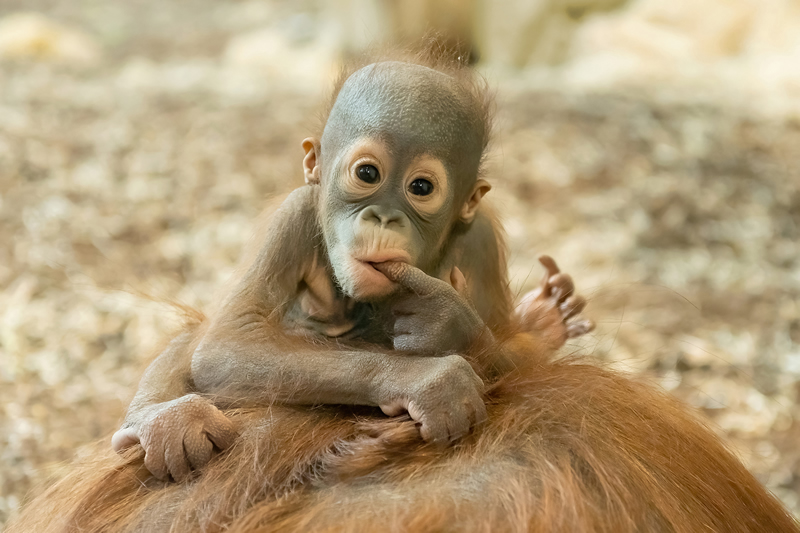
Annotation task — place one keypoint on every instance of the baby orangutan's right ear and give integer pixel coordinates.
(470, 207)
(311, 170)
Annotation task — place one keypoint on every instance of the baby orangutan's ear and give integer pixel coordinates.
(311, 170)
(470, 208)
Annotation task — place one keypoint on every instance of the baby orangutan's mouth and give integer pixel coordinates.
(370, 271)
(383, 257)
(375, 265)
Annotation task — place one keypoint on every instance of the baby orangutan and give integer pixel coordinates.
(382, 284)
(385, 247)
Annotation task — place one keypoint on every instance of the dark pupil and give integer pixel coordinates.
(420, 187)
(368, 173)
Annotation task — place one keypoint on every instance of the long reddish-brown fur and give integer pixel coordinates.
(568, 446)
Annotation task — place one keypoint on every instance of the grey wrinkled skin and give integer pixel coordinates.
(431, 316)
(414, 110)
(447, 382)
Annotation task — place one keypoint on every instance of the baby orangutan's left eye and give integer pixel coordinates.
(420, 187)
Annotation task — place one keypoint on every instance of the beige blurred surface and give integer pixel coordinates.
(653, 151)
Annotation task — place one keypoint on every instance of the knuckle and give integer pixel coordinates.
(459, 366)
(460, 375)
(456, 362)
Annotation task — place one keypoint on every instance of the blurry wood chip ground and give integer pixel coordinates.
(142, 172)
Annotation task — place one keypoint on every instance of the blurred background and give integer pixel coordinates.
(651, 147)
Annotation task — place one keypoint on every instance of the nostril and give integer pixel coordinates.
(384, 217)
(370, 213)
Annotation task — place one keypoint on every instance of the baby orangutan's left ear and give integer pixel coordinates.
(470, 208)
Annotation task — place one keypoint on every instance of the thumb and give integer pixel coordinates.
(124, 438)
(410, 277)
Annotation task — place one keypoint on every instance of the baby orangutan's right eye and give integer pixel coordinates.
(368, 174)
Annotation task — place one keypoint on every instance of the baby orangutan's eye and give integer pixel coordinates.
(368, 174)
(420, 187)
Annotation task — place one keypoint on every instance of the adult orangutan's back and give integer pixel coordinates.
(567, 447)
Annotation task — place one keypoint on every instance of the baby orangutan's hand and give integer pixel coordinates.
(553, 310)
(434, 316)
(178, 436)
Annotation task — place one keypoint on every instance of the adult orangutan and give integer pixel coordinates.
(381, 289)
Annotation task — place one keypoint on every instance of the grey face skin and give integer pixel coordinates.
(408, 123)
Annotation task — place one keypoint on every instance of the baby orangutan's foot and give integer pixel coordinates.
(553, 310)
